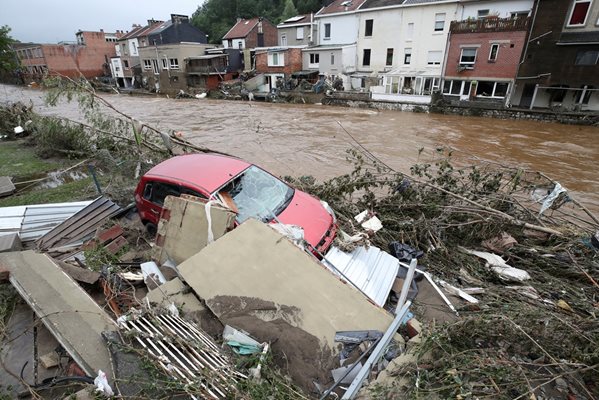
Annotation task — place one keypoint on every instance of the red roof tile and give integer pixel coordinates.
(298, 19)
(241, 29)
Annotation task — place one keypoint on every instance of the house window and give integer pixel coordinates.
(389, 57)
(147, 64)
(173, 63)
(456, 88)
(366, 58)
(332, 59)
(434, 57)
(483, 13)
(230, 42)
(164, 63)
(579, 13)
(155, 66)
(491, 89)
(368, 28)
(283, 39)
(327, 31)
(590, 57)
(439, 22)
(276, 59)
(299, 33)
(407, 57)
(410, 32)
(314, 60)
(493, 52)
(518, 14)
(468, 57)
(126, 64)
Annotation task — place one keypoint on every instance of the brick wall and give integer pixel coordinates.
(270, 36)
(292, 62)
(511, 45)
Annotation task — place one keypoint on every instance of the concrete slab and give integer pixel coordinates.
(175, 291)
(6, 186)
(255, 279)
(68, 312)
(10, 242)
(183, 227)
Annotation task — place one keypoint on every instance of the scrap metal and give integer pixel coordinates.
(185, 353)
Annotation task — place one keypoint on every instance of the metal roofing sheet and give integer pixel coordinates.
(80, 225)
(371, 270)
(33, 221)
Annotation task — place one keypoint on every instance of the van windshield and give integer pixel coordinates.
(257, 194)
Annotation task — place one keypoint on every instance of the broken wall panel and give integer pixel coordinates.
(183, 227)
(68, 312)
(6, 186)
(256, 280)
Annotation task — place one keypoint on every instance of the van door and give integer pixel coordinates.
(153, 197)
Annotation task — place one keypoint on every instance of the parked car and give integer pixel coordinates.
(246, 188)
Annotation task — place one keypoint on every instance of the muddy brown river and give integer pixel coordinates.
(308, 139)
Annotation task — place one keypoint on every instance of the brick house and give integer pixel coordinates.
(560, 66)
(251, 33)
(482, 58)
(277, 62)
(88, 57)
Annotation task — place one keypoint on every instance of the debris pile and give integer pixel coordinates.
(488, 289)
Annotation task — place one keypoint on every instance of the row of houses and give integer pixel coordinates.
(515, 53)
(520, 53)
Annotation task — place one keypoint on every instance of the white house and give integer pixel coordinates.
(337, 34)
(404, 44)
(475, 9)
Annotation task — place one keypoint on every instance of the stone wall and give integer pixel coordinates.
(478, 111)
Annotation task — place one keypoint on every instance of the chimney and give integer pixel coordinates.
(238, 20)
(177, 18)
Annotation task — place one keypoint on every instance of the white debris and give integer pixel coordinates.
(369, 221)
(500, 267)
(102, 385)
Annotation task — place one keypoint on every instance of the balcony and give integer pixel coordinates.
(489, 24)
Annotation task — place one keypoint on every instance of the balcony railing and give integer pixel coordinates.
(490, 24)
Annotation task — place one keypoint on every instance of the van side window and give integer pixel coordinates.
(148, 191)
(159, 191)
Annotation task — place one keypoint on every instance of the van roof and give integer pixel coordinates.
(204, 170)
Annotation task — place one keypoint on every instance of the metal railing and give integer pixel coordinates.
(489, 24)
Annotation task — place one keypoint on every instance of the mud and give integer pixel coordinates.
(294, 351)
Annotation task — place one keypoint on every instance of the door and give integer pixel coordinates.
(527, 93)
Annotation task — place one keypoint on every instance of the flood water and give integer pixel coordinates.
(310, 139)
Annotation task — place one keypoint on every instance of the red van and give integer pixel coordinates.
(246, 188)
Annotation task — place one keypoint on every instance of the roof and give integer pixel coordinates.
(381, 3)
(241, 29)
(409, 2)
(340, 6)
(303, 19)
(207, 57)
(206, 171)
(142, 30)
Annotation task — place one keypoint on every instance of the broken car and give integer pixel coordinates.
(245, 188)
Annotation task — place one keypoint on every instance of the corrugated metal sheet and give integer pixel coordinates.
(371, 270)
(80, 225)
(33, 221)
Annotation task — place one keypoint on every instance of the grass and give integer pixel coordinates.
(19, 160)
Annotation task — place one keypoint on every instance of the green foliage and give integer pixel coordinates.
(289, 10)
(54, 137)
(8, 60)
(216, 17)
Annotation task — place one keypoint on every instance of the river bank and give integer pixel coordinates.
(504, 343)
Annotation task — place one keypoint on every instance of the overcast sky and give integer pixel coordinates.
(51, 21)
